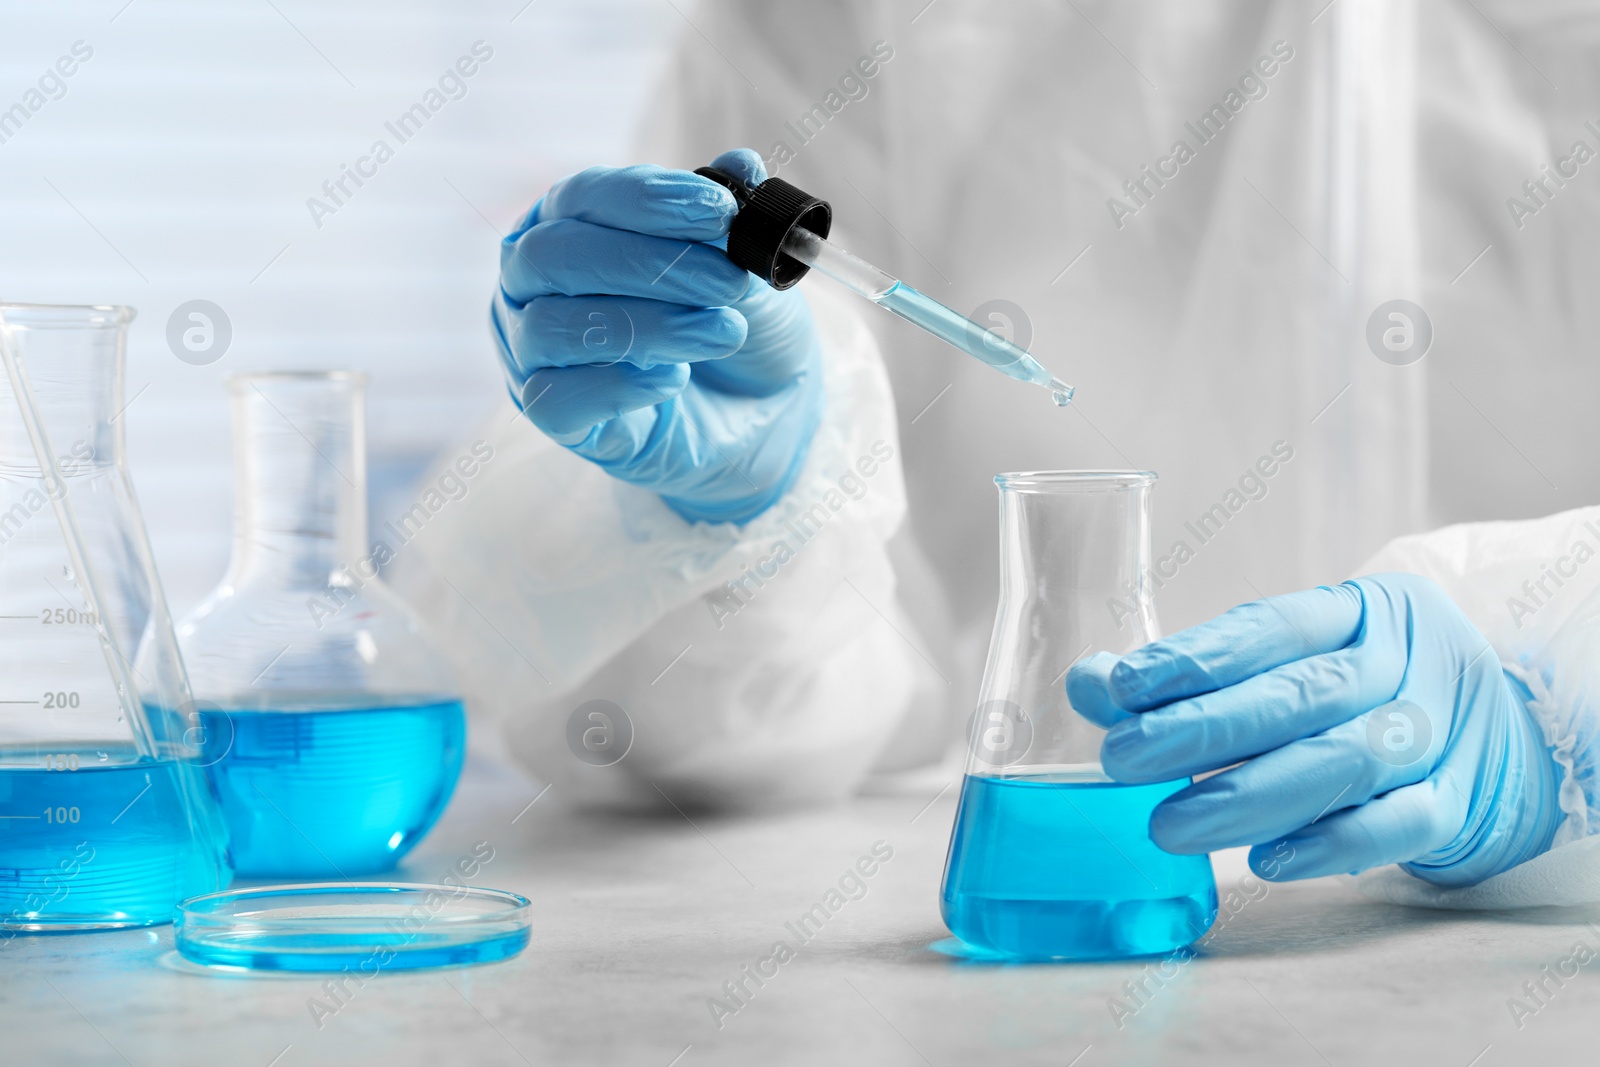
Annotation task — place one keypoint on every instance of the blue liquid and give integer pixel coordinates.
(986, 345)
(353, 927)
(329, 794)
(1062, 867)
(104, 846)
(334, 952)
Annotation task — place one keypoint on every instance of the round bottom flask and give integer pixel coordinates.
(333, 730)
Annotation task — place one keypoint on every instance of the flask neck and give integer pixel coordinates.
(300, 503)
(1082, 555)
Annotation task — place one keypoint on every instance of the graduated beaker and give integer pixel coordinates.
(1049, 858)
(335, 731)
(106, 821)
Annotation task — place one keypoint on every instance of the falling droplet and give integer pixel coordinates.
(1060, 392)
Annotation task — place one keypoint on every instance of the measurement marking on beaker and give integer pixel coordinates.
(134, 801)
(529, 804)
(21, 816)
(18, 702)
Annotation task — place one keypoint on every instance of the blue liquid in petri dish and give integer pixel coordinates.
(330, 794)
(98, 844)
(1061, 866)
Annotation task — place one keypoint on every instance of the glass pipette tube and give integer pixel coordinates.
(891, 294)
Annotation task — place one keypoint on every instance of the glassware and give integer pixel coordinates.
(360, 927)
(781, 232)
(106, 820)
(334, 728)
(1050, 859)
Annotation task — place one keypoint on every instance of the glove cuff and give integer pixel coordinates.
(1513, 810)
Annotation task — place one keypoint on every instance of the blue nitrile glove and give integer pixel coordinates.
(627, 336)
(1375, 723)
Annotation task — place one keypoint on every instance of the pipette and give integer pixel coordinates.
(781, 232)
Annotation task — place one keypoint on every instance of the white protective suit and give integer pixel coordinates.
(1357, 154)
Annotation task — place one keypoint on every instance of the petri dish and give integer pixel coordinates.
(363, 927)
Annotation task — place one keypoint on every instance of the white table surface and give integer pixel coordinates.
(639, 921)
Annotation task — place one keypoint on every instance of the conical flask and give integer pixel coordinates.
(1049, 858)
(335, 730)
(106, 819)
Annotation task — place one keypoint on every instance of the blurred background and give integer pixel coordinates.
(177, 165)
(177, 162)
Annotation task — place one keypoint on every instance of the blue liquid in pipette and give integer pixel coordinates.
(1062, 867)
(329, 794)
(971, 338)
(106, 844)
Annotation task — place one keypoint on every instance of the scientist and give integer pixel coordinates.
(753, 555)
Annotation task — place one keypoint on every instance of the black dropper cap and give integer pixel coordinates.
(767, 212)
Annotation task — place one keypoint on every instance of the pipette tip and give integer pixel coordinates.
(1060, 392)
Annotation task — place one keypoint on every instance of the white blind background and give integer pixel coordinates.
(178, 163)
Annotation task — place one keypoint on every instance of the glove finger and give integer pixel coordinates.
(1279, 793)
(645, 199)
(566, 331)
(1396, 827)
(775, 351)
(742, 163)
(1257, 715)
(568, 402)
(1241, 642)
(1089, 692)
(571, 258)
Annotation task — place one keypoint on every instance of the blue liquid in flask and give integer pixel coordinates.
(332, 793)
(92, 842)
(1061, 866)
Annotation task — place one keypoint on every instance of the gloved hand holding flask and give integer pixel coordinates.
(1371, 723)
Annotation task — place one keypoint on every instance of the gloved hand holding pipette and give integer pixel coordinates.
(626, 336)
(1374, 722)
